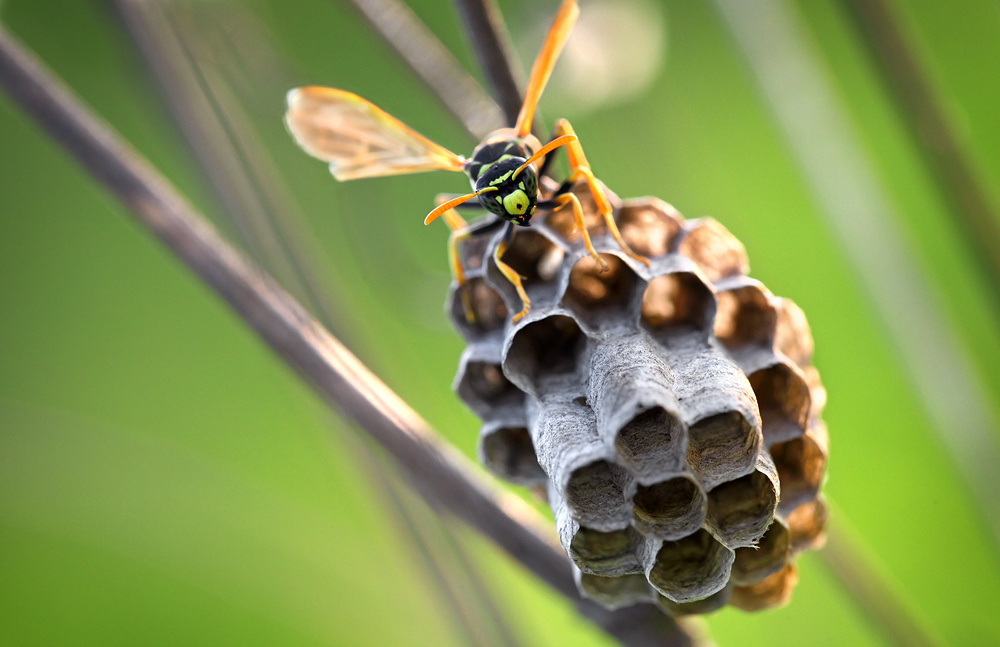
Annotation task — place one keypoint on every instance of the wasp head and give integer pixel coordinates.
(516, 192)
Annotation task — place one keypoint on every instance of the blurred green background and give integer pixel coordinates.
(165, 480)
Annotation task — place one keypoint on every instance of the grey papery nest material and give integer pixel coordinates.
(670, 413)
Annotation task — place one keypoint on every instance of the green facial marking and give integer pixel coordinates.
(521, 184)
(499, 199)
(502, 178)
(516, 203)
(504, 157)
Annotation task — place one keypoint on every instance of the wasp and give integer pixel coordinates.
(360, 140)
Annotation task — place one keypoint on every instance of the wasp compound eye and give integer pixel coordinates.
(516, 203)
(493, 202)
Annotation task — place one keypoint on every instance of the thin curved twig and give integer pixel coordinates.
(434, 64)
(484, 27)
(439, 472)
(216, 129)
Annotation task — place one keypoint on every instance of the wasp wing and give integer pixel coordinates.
(359, 139)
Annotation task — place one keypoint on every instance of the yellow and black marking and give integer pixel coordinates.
(488, 154)
(358, 140)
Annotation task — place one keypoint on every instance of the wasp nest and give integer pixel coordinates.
(670, 412)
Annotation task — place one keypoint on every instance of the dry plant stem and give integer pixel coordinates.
(485, 30)
(220, 136)
(437, 470)
(196, 117)
(874, 597)
(478, 627)
(434, 64)
(925, 116)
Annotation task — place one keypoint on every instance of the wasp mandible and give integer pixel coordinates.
(360, 140)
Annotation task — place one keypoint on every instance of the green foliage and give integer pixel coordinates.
(165, 480)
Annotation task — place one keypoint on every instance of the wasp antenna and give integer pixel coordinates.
(545, 150)
(540, 71)
(451, 204)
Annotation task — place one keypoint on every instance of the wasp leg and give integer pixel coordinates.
(453, 220)
(561, 201)
(508, 271)
(460, 231)
(579, 168)
(547, 163)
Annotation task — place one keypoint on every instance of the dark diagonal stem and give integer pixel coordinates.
(485, 31)
(436, 470)
(433, 64)
(210, 117)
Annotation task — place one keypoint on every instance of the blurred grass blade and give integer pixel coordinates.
(472, 607)
(805, 108)
(472, 610)
(484, 27)
(435, 469)
(867, 585)
(434, 64)
(924, 114)
(221, 137)
(257, 205)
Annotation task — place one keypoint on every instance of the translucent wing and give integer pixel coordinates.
(359, 139)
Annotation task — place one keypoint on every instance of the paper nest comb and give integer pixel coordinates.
(671, 414)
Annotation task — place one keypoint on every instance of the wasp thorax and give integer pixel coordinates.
(516, 192)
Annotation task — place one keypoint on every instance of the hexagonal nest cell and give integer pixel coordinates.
(792, 336)
(650, 443)
(807, 526)
(740, 511)
(599, 292)
(691, 568)
(649, 401)
(784, 399)
(670, 509)
(476, 308)
(548, 347)
(615, 592)
(534, 257)
(754, 563)
(506, 451)
(745, 315)
(483, 386)
(677, 301)
(562, 224)
(712, 603)
(605, 553)
(801, 465)
(649, 226)
(722, 446)
(595, 493)
(773, 591)
(716, 251)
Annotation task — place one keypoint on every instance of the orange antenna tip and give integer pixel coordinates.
(545, 150)
(451, 204)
